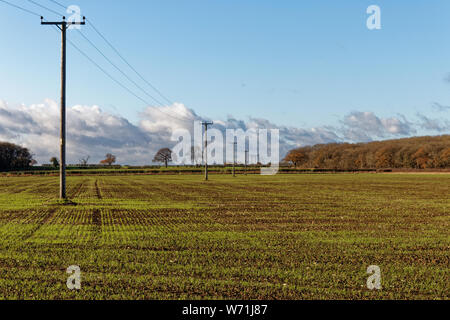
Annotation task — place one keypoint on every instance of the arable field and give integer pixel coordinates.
(251, 237)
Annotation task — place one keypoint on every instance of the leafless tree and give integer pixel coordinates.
(84, 161)
(164, 155)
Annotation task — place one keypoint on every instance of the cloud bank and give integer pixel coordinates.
(94, 132)
(365, 126)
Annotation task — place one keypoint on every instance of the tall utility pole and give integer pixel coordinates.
(62, 25)
(234, 158)
(206, 124)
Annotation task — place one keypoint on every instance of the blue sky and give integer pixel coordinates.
(294, 62)
(300, 64)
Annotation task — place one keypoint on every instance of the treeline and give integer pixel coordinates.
(410, 153)
(14, 157)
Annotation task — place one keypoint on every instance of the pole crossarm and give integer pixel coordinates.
(59, 23)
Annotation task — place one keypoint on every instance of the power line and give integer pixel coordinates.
(18, 7)
(86, 56)
(102, 69)
(63, 28)
(134, 82)
(105, 72)
(128, 64)
(139, 75)
(106, 58)
(117, 68)
(57, 3)
(44, 7)
(123, 73)
(121, 56)
(118, 82)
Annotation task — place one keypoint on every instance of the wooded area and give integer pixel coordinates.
(414, 153)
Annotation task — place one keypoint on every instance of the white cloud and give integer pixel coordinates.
(438, 125)
(366, 126)
(92, 131)
(440, 107)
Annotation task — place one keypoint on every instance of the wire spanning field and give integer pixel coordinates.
(252, 237)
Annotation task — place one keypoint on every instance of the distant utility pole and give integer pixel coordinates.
(62, 25)
(206, 124)
(234, 158)
(257, 151)
(246, 156)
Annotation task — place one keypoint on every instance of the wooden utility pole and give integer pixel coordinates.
(62, 25)
(234, 158)
(258, 164)
(246, 156)
(206, 124)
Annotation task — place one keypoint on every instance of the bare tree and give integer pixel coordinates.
(164, 155)
(84, 161)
